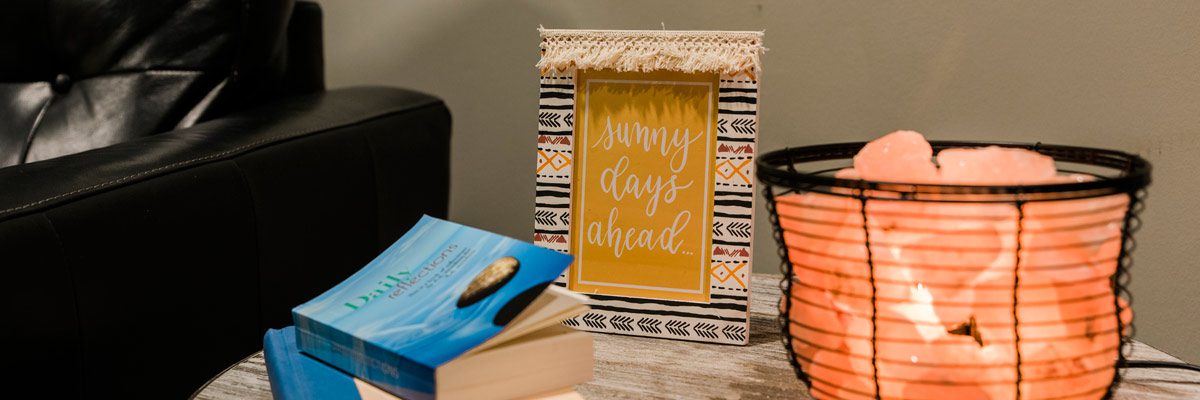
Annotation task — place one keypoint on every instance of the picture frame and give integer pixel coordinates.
(652, 292)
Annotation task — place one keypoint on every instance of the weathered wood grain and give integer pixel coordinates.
(639, 368)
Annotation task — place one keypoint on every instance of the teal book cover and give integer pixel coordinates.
(438, 292)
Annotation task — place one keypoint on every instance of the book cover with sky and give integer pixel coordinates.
(438, 292)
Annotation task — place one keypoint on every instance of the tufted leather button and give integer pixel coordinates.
(142, 68)
(61, 83)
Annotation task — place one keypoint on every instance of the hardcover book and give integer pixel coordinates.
(450, 311)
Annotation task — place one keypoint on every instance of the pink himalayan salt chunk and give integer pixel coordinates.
(841, 376)
(923, 380)
(901, 156)
(1075, 244)
(953, 256)
(939, 389)
(1061, 373)
(1078, 231)
(824, 235)
(804, 353)
(949, 261)
(994, 165)
(849, 174)
(817, 319)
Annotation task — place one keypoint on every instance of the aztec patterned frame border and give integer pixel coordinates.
(735, 56)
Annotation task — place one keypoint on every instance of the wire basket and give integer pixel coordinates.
(906, 291)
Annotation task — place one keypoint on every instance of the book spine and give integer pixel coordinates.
(365, 360)
(287, 380)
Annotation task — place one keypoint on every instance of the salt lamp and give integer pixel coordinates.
(946, 299)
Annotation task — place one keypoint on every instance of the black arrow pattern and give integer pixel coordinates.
(734, 332)
(565, 218)
(546, 217)
(721, 125)
(717, 228)
(706, 330)
(745, 126)
(569, 119)
(594, 321)
(549, 120)
(621, 322)
(739, 229)
(649, 325)
(678, 328)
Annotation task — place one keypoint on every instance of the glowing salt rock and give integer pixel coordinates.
(890, 220)
(948, 383)
(1078, 325)
(804, 353)
(941, 391)
(803, 350)
(920, 369)
(1085, 231)
(920, 309)
(1104, 346)
(995, 165)
(816, 319)
(1056, 353)
(797, 212)
(1063, 268)
(935, 347)
(1075, 244)
(950, 262)
(1045, 255)
(847, 173)
(1056, 336)
(822, 231)
(830, 218)
(842, 376)
(819, 323)
(901, 156)
(1053, 371)
(964, 216)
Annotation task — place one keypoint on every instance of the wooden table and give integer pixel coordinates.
(637, 368)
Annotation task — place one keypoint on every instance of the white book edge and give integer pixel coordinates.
(554, 305)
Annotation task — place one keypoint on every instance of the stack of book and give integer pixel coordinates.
(447, 312)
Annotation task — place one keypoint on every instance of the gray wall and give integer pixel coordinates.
(1117, 74)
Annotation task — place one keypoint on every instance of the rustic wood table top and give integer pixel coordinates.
(630, 367)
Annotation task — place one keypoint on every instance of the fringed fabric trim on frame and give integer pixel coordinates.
(727, 53)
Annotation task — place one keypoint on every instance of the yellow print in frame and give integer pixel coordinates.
(643, 182)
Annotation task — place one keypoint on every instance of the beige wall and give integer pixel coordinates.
(1118, 74)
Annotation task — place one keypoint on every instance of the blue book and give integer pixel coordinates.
(296, 376)
(450, 311)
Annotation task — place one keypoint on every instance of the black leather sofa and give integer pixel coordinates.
(174, 178)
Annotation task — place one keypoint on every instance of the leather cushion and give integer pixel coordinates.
(142, 269)
(83, 74)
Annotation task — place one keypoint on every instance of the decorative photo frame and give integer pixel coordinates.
(693, 93)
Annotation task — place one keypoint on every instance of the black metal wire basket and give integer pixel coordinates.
(907, 290)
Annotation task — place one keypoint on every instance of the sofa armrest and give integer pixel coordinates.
(146, 267)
